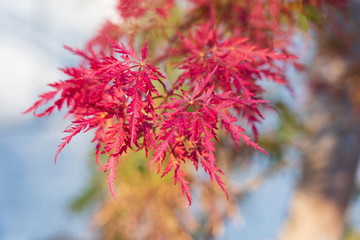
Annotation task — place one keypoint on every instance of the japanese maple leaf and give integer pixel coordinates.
(188, 131)
(113, 96)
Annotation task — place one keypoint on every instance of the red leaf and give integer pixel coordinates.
(111, 165)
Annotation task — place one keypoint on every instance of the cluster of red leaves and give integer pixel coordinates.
(239, 64)
(190, 130)
(130, 11)
(131, 8)
(114, 97)
(138, 8)
(114, 92)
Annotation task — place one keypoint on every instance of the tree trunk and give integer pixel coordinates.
(318, 210)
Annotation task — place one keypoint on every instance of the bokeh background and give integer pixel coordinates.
(36, 194)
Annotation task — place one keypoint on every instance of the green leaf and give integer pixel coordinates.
(303, 22)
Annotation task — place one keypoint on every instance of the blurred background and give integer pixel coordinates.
(38, 198)
(36, 193)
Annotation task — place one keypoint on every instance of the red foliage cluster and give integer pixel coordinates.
(114, 92)
(137, 8)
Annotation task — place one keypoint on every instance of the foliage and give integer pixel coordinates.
(200, 78)
(352, 234)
